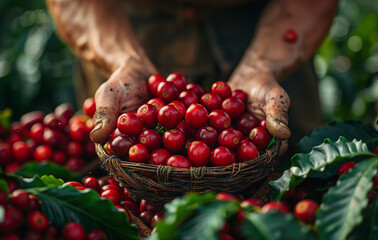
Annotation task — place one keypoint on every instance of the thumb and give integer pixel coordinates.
(107, 111)
(277, 106)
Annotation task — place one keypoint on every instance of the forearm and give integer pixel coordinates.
(97, 31)
(269, 51)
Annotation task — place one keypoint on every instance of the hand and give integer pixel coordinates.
(124, 91)
(266, 99)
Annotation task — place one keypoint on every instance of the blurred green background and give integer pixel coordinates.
(36, 68)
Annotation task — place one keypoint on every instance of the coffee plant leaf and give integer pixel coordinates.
(47, 168)
(194, 216)
(66, 204)
(342, 207)
(350, 129)
(368, 229)
(304, 165)
(50, 180)
(3, 185)
(274, 225)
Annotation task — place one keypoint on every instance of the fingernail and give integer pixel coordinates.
(98, 126)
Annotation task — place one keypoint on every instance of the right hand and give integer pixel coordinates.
(124, 91)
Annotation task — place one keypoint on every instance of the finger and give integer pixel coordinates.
(123, 92)
(283, 148)
(107, 111)
(278, 103)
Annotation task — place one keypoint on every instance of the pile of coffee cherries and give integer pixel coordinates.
(147, 211)
(61, 137)
(183, 127)
(23, 219)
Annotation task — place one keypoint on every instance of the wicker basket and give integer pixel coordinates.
(163, 183)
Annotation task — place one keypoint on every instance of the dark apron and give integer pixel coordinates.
(205, 43)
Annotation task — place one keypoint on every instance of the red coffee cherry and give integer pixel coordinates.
(251, 202)
(290, 36)
(260, 137)
(305, 210)
(120, 145)
(159, 156)
(157, 103)
(229, 138)
(179, 80)
(178, 161)
(196, 116)
(167, 92)
(13, 219)
(150, 138)
(139, 153)
(74, 231)
(211, 101)
(37, 221)
(199, 153)
(20, 199)
(89, 107)
(179, 105)
(129, 124)
(153, 83)
(64, 110)
(219, 120)
(112, 195)
(174, 140)
(275, 206)
(148, 114)
(247, 151)
(207, 135)
(196, 88)
(169, 116)
(240, 94)
(146, 205)
(5, 153)
(345, 167)
(20, 151)
(188, 97)
(91, 182)
(222, 89)
(221, 156)
(97, 234)
(233, 107)
(246, 122)
(130, 206)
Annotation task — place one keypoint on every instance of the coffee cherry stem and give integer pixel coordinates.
(160, 129)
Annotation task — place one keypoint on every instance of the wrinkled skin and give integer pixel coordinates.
(266, 99)
(124, 91)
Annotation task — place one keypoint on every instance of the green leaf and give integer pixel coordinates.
(34, 182)
(342, 207)
(3, 185)
(274, 225)
(208, 220)
(47, 168)
(52, 181)
(6, 117)
(305, 164)
(368, 229)
(178, 211)
(67, 204)
(350, 129)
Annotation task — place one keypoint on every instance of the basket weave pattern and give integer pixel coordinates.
(164, 183)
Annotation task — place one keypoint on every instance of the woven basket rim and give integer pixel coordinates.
(163, 183)
(271, 152)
